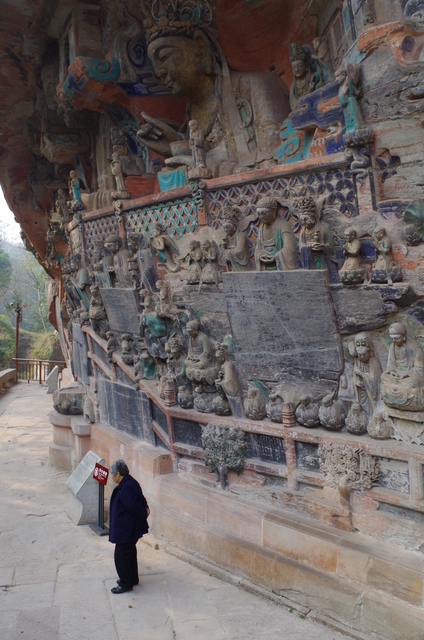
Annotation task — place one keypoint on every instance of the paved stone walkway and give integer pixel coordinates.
(55, 578)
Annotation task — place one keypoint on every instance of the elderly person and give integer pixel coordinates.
(127, 523)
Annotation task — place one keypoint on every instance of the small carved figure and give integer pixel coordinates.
(307, 76)
(274, 407)
(307, 412)
(379, 428)
(75, 192)
(185, 398)
(198, 152)
(403, 380)
(331, 413)
(155, 331)
(62, 207)
(384, 270)
(366, 372)
(210, 271)
(134, 272)
(226, 383)
(165, 247)
(235, 245)
(202, 401)
(352, 272)
(194, 271)
(276, 246)
(356, 420)
(321, 55)
(118, 262)
(200, 364)
(315, 242)
(254, 404)
(97, 312)
(118, 173)
(349, 91)
(165, 308)
(144, 366)
(127, 352)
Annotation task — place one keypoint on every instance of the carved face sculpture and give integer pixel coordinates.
(363, 348)
(379, 234)
(72, 174)
(307, 219)
(229, 228)
(111, 246)
(350, 235)
(341, 75)
(179, 62)
(206, 245)
(192, 329)
(397, 334)
(267, 215)
(300, 68)
(115, 157)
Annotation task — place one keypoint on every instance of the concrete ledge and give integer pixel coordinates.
(59, 419)
(80, 428)
(60, 456)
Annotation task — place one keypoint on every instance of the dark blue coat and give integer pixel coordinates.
(128, 512)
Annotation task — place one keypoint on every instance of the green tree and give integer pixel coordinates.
(7, 341)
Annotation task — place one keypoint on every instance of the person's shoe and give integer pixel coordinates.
(120, 589)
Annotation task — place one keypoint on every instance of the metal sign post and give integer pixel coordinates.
(100, 474)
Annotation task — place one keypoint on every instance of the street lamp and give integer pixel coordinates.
(18, 311)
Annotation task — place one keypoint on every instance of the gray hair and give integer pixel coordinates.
(119, 466)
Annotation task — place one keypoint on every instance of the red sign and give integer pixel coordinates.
(100, 473)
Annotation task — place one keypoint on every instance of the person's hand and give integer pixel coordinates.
(148, 512)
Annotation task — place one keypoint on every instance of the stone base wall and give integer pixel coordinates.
(374, 589)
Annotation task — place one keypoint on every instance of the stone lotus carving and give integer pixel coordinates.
(352, 271)
(345, 467)
(379, 428)
(307, 412)
(230, 108)
(275, 407)
(331, 413)
(384, 270)
(202, 401)
(356, 420)
(276, 246)
(224, 448)
(254, 404)
(402, 383)
(366, 372)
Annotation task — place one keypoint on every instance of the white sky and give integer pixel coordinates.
(9, 227)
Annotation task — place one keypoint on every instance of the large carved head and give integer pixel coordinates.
(192, 328)
(230, 216)
(363, 347)
(179, 47)
(112, 243)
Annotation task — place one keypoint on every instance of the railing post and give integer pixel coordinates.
(39, 364)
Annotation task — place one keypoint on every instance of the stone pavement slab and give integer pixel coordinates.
(55, 577)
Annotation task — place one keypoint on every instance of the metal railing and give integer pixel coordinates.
(32, 369)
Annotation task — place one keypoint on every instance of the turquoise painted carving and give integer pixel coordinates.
(295, 146)
(172, 179)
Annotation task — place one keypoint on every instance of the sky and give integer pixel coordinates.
(9, 227)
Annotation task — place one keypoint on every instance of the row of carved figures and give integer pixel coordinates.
(203, 257)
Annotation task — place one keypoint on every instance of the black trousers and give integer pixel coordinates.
(126, 563)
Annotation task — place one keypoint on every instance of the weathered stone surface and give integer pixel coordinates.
(82, 365)
(121, 308)
(126, 409)
(282, 323)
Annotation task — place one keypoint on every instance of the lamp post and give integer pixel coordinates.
(18, 311)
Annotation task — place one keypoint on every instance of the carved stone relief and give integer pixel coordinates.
(224, 449)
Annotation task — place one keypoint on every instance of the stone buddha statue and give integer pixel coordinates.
(235, 244)
(201, 366)
(402, 382)
(276, 246)
(240, 113)
(119, 267)
(308, 74)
